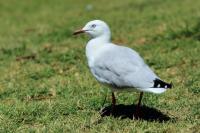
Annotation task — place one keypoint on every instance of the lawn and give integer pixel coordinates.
(46, 86)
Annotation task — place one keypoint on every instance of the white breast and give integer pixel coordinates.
(93, 51)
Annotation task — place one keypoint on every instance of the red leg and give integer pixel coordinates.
(140, 99)
(138, 105)
(113, 102)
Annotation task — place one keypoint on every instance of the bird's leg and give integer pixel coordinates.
(140, 99)
(138, 105)
(113, 102)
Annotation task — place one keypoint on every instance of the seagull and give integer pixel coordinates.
(120, 68)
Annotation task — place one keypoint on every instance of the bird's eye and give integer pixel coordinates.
(93, 26)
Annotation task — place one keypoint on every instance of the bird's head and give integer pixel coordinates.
(95, 28)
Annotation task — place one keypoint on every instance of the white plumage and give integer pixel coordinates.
(118, 66)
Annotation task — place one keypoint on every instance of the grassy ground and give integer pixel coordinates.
(45, 85)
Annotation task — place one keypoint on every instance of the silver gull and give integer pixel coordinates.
(119, 67)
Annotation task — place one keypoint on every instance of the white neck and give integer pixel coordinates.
(95, 46)
(104, 38)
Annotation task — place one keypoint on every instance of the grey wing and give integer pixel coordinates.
(123, 67)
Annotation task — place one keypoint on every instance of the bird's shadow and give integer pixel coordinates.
(128, 111)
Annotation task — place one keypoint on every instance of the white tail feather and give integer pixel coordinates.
(155, 90)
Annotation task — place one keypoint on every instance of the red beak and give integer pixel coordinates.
(78, 32)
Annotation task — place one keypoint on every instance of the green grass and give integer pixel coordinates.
(55, 92)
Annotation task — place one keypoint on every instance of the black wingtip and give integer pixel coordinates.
(161, 84)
